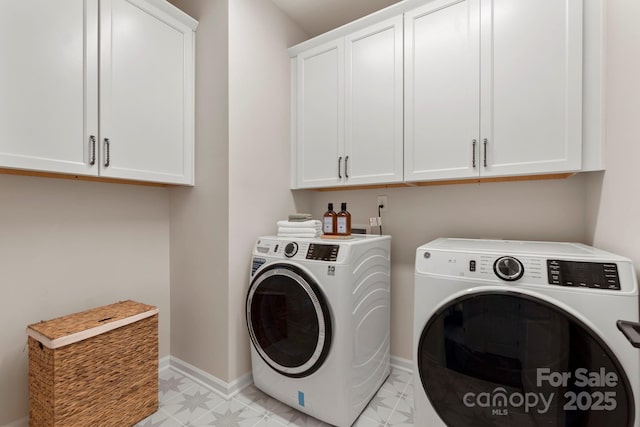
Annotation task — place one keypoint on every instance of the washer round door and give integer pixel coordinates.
(289, 320)
(510, 359)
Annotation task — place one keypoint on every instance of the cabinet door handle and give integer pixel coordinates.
(107, 152)
(92, 147)
(339, 167)
(485, 142)
(346, 167)
(473, 153)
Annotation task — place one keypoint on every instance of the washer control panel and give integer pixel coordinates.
(321, 252)
(595, 275)
(300, 250)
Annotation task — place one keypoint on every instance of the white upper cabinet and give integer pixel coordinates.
(373, 104)
(442, 90)
(348, 109)
(320, 115)
(531, 88)
(146, 93)
(493, 88)
(135, 122)
(48, 85)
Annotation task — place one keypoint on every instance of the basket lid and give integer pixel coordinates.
(76, 327)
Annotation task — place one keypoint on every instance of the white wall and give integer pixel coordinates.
(242, 172)
(68, 246)
(259, 93)
(534, 210)
(614, 201)
(199, 215)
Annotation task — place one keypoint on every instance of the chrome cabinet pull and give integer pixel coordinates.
(92, 147)
(346, 167)
(473, 158)
(485, 141)
(339, 167)
(107, 151)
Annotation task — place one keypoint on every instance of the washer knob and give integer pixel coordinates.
(291, 249)
(508, 268)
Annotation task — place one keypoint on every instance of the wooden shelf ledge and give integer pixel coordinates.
(450, 182)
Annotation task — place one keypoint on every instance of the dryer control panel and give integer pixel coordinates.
(520, 269)
(583, 274)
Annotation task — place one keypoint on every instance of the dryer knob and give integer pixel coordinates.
(508, 268)
(291, 249)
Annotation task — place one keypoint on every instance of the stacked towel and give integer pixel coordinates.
(299, 217)
(309, 228)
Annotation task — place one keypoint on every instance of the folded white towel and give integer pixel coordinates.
(297, 235)
(312, 223)
(299, 232)
(289, 230)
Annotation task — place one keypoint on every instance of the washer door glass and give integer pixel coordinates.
(508, 359)
(288, 320)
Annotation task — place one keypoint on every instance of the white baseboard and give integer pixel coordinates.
(402, 364)
(226, 390)
(164, 363)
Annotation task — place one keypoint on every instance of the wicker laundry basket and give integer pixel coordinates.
(94, 368)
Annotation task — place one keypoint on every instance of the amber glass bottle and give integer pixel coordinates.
(344, 221)
(329, 221)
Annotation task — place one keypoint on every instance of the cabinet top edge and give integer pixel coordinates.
(360, 23)
(175, 12)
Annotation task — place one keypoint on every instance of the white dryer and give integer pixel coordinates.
(510, 333)
(318, 314)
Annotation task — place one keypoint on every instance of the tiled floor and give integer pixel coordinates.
(186, 403)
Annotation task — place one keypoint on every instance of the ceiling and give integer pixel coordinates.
(319, 16)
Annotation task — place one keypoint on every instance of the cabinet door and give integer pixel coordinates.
(373, 104)
(531, 86)
(48, 85)
(442, 90)
(319, 141)
(146, 93)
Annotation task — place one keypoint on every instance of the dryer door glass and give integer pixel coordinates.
(288, 320)
(508, 359)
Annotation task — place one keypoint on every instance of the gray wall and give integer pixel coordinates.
(68, 246)
(242, 177)
(614, 196)
(200, 215)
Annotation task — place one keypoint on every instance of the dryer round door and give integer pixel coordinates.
(289, 320)
(498, 358)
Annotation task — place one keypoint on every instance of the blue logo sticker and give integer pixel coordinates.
(300, 398)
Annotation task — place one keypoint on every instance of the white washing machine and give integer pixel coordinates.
(318, 314)
(525, 334)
